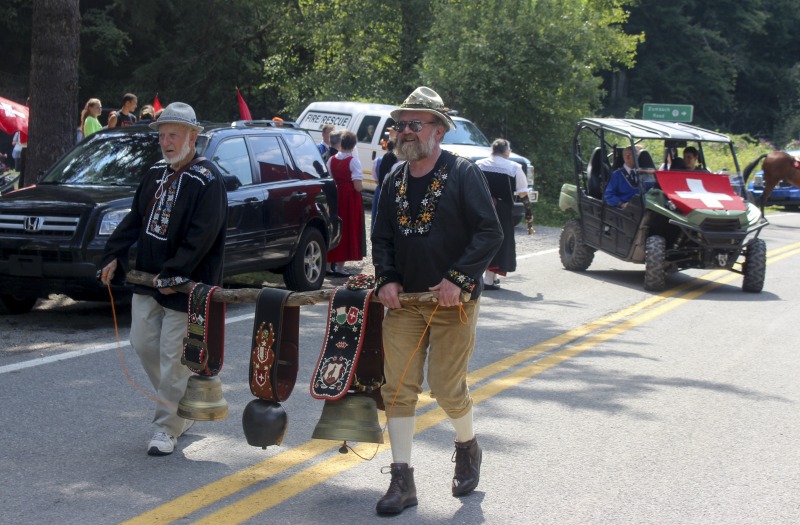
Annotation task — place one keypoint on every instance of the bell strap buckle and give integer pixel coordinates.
(195, 347)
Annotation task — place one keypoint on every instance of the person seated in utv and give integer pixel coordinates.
(691, 156)
(678, 164)
(624, 183)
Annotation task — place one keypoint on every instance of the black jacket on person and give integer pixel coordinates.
(454, 236)
(179, 236)
(387, 161)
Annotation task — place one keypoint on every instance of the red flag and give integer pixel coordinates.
(157, 104)
(13, 118)
(698, 190)
(244, 111)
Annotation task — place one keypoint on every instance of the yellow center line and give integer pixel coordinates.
(248, 507)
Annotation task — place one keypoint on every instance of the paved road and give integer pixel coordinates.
(596, 403)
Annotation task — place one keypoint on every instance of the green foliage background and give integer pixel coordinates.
(526, 70)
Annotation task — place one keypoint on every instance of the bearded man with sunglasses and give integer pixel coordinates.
(435, 230)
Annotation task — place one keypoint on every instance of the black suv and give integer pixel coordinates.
(282, 209)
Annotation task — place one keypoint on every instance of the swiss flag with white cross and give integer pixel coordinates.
(699, 190)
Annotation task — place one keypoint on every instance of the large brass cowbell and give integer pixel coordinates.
(203, 399)
(351, 418)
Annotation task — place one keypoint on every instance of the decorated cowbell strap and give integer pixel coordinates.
(204, 344)
(352, 352)
(274, 352)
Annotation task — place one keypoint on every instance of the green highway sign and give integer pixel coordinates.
(668, 112)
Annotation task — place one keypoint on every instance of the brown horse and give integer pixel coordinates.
(778, 166)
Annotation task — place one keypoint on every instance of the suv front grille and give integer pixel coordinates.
(720, 225)
(49, 256)
(39, 225)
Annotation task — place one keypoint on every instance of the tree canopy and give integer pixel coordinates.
(525, 70)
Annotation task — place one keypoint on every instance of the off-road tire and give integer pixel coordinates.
(306, 272)
(655, 263)
(575, 254)
(755, 266)
(10, 304)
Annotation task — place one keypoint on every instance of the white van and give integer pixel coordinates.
(371, 122)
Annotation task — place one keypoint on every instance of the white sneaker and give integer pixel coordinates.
(161, 444)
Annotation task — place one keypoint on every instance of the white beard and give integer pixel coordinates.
(177, 157)
(413, 151)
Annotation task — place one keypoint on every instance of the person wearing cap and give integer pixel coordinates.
(177, 220)
(436, 230)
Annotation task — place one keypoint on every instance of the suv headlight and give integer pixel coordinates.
(111, 220)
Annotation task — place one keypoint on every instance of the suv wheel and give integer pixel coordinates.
(655, 263)
(755, 266)
(10, 304)
(575, 254)
(307, 269)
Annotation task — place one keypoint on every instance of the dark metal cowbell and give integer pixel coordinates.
(264, 423)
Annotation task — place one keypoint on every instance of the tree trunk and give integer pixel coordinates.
(55, 49)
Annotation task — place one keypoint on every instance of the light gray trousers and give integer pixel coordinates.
(157, 337)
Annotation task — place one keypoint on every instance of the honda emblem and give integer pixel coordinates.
(32, 224)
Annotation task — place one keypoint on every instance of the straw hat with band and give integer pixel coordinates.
(427, 100)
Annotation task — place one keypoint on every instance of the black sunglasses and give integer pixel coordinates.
(413, 125)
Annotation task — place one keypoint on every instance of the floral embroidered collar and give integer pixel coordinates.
(422, 224)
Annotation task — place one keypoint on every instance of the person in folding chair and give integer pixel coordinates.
(505, 178)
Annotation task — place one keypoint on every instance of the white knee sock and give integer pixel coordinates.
(464, 427)
(488, 277)
(401, 434)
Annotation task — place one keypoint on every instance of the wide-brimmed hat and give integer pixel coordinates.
(427, 100)
(177, 113)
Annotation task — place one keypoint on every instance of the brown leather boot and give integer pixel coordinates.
(467, 457)
(402, 491)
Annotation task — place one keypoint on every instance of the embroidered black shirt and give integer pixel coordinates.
(451, 231)
(179, 236)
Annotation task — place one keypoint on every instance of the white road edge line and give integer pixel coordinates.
(536, 254)
(88, 351)
(110, 346)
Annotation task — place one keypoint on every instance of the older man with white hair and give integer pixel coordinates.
(177, 220)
